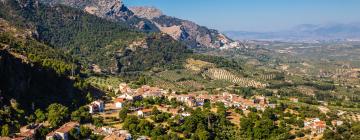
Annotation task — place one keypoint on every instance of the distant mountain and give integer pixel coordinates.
(150, 19)
(305, 32)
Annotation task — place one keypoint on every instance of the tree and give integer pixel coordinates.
(81, 115)
(207, 104)
(57, 114)
(201, 132)
(40, 115)
(89, 97)
(123, 113)
(131, 119)
(98, 121)
(74, 134)
(42, 132)
(155, 111)
(5, 130)
(85, 132)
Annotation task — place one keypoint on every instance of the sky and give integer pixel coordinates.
(257, 15)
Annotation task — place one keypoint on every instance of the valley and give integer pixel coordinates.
(98, 70)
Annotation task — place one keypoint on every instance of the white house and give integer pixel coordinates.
(97, 106)
(63, 132)
(119, 102)
(144, 112)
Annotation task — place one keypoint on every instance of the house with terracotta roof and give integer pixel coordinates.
(63, 131)
(144, 112)
(315, 125)
(119, 102)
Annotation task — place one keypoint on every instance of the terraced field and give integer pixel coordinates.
(197, 65)
(179, 75)
(104, 83)
(222, 74)
(191, 84)
(164, 84)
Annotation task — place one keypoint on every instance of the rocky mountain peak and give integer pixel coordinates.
(146, 12)
(101, 8)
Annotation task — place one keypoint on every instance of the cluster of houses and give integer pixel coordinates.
(229, 100)
(27, 132)
(112, 133)
(191, 100)
(315, 125)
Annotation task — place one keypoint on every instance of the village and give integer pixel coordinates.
(191, 100)
(125, 94)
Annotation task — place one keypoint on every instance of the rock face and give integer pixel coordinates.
(189, 32)
(109, 9)
(146, 12)
(97, 7)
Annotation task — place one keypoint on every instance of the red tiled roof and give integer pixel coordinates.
(67, 127)
(320, 124)
(114, 137)
(120, 100)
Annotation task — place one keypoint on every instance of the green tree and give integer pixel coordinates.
(155, 111)
(123, 113)
(85, 132)
(81, 115)
(57, 114)
(89, 97)
(41, 133)
(5, 130)
(201, 132)
(74, 134)
(207, 104)
(40, 115)
(98, 121)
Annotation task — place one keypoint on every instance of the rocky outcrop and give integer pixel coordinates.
(146, 12)
(189, 32)
(103, 8)
(109, 9)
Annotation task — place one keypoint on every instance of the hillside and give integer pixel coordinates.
(81, 35)
(35, 74)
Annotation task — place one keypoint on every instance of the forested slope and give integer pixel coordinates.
(93, 40)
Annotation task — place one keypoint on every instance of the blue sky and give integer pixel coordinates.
(257, 15)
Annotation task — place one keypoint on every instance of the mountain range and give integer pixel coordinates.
(304, 32)
(150, 19)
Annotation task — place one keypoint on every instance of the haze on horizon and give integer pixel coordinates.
(257, 15)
